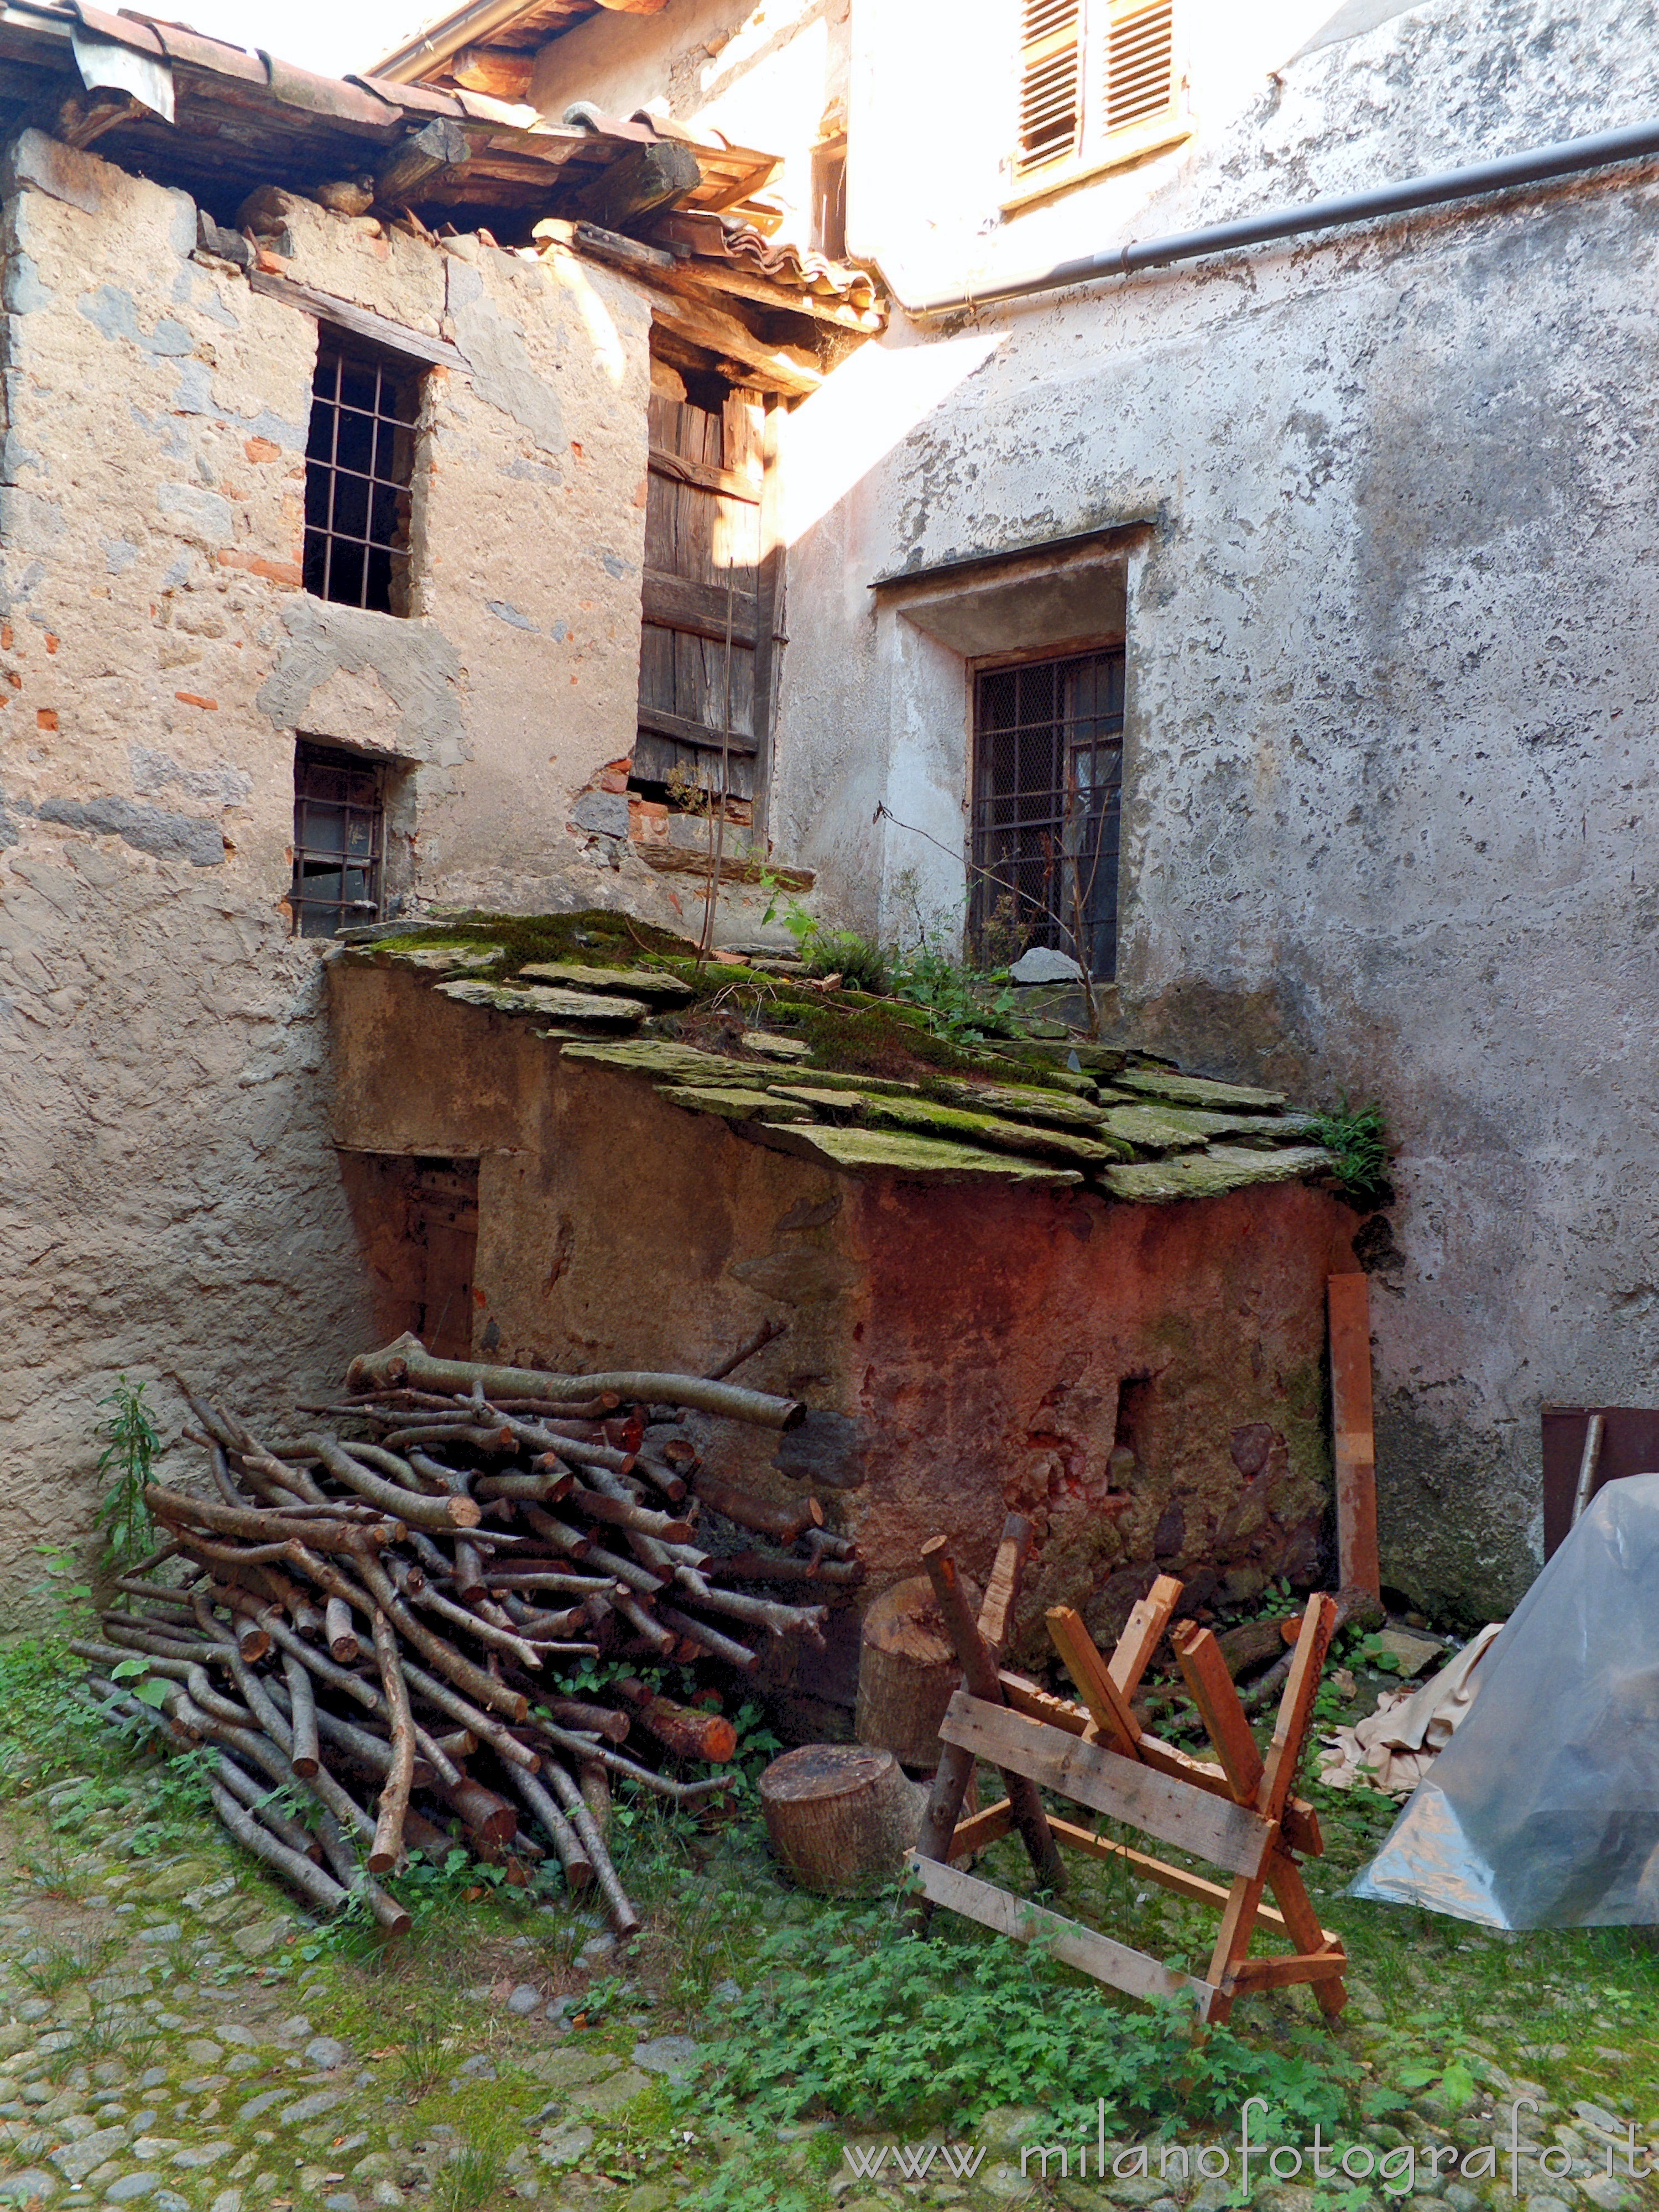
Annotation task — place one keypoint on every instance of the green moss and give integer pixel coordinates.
(593, 938)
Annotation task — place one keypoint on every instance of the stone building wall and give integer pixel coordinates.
(1392, 650)
(168, 1197)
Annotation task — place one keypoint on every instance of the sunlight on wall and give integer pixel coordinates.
(569, 271)
(870, 406)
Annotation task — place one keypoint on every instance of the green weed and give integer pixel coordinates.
(130, 1441)
(962, 1004)
(1356, 1138)
(850, 2018)
(424, 2058)
(56, 1967)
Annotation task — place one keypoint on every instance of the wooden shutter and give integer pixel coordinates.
(707, 576)
(1138, 65)
(1050, 83)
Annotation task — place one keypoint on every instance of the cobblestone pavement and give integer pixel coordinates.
(165, 2043)
(173, 2036)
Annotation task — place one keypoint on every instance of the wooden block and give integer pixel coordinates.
(1228, 1835)
(985, 1827)
(1108, 1707)
(1113, 1963)
(1205, 1672)
(1280, 1973)
(1349, 1299)
(1145, 1625)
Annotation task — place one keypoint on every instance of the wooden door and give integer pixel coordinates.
(708, 647)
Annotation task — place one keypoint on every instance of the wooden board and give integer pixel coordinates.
(1353, 1432)
(704, 525)
(1108, 1708)
(1147, 1621)
(361, 322)
(1213, 1828)
(1109, 1961)
(1245, 1974)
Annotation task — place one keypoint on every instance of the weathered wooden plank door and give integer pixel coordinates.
(708, 647)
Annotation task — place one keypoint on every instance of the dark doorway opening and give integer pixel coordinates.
(418, 1220)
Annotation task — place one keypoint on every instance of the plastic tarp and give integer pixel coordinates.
(1543, 1810)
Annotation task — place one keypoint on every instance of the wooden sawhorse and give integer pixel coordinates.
(1239, 1815)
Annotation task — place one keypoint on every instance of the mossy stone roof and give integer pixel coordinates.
(862, 1083)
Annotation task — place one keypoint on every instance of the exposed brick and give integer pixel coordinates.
(195, 699)
(45, 717)
(261, 449)
(51, 642)
(275, 572)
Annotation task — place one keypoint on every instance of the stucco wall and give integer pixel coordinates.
(969, 1341)
(1389, 755)
(167, 1192)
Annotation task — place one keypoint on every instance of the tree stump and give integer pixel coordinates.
(840, 1816)
(907, 1673)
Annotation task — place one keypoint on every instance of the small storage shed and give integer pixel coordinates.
(1041, 1274)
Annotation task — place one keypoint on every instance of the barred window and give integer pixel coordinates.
(1047, 782)
(339, 831)
(360, 462)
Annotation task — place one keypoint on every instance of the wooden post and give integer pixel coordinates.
(1352, 1434)
(979, 1673)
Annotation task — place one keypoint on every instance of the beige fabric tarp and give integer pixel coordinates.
(1393, 1748)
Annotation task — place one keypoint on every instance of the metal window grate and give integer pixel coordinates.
(359, 464)
(1047, 782)
(339, 817)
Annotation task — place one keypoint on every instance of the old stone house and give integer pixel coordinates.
(1272, 628)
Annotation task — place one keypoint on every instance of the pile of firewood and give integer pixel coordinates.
(375, 1615)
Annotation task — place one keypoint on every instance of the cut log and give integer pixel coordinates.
(840, 1816)
(908, 1673)
(689, 1732)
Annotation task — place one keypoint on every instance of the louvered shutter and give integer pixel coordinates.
(1050, 83)
(1138, 66)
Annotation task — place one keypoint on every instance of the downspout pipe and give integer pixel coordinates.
(1568, 157)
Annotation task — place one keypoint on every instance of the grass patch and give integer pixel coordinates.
(471, 2179)
(58, 1964)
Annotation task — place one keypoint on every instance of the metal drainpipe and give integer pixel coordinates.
(1566, 159)
(444, 39)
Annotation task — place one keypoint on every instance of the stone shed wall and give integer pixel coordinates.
(167, 1192)
(967, 1346)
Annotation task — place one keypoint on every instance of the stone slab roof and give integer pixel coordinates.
(860, 1083)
